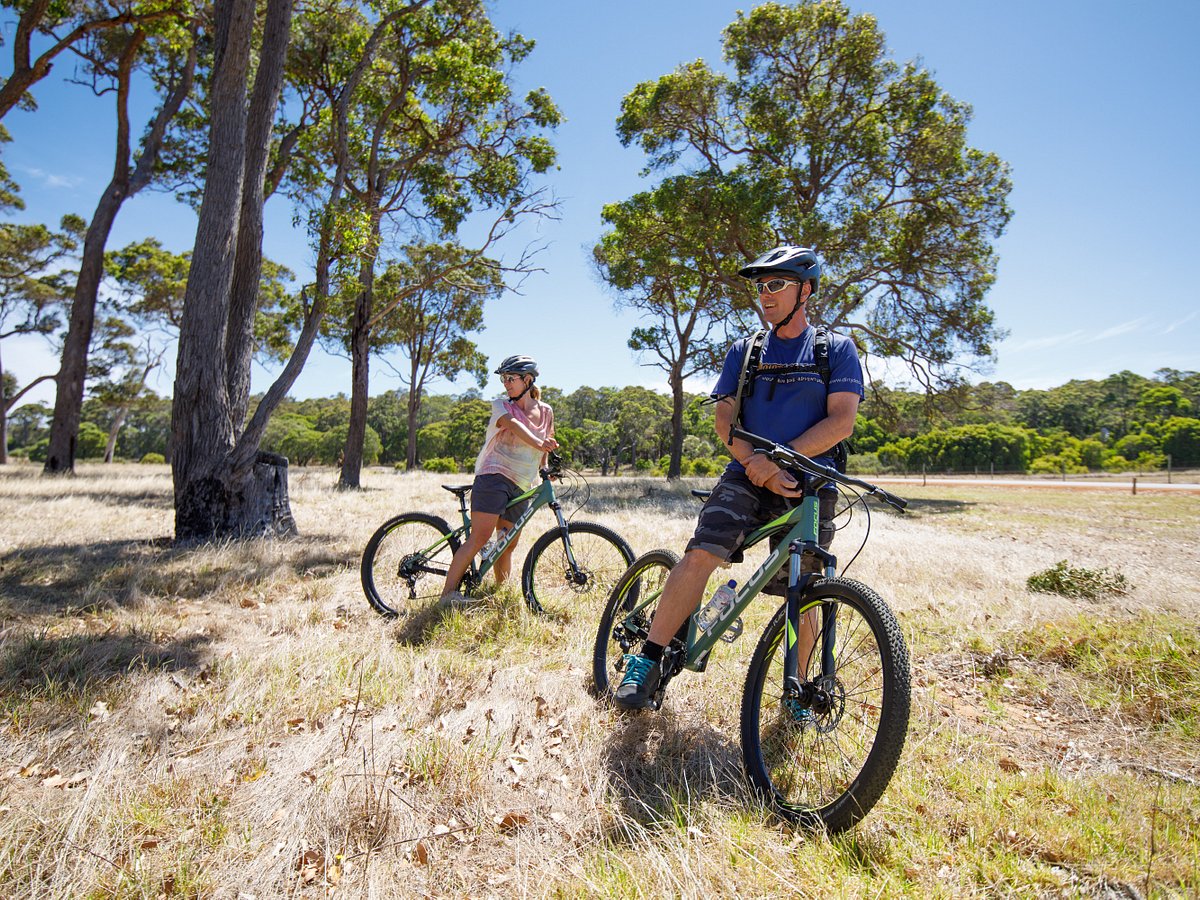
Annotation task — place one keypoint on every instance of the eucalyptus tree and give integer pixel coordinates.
(434, 140)
(664, 257)
(223, 486)
(66, 27)
(429, 325)
(35, 288)
(845, 150)
(166, 49)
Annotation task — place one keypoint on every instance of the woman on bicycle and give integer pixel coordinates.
(519, 435)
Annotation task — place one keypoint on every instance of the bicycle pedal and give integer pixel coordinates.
(733, 632)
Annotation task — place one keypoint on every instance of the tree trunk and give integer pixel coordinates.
(360, 355)
(414, 408)
(113, 431)
(673, 469)
(3, 419)
(207, 504)
(68, 399)
(268, 82)
(225, 487)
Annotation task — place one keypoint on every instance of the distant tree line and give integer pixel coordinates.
(1121, 423)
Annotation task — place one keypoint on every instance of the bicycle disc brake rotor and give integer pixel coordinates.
(828, 704)
(580, 580)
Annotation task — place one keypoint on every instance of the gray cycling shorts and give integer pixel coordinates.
(736, 507)
(493, 493)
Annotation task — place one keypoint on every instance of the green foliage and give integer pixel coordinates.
(445, 464)
(153, 459)
(812, 133)
(1072, 581)
(1134, 445)
(90, 442)
(707, 467)
(333, 443)
(967, 446)
(1181, 439)
(34, 285)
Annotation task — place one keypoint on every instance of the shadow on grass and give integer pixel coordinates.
(418, 626)
(927, 507)
(659, 765)
(71, 578)
(675, 498)
(70, 668)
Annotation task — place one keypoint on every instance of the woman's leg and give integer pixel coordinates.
(503, 564)
(482, 526)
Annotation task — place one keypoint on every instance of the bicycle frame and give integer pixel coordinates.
(540, 495)
(802, 525)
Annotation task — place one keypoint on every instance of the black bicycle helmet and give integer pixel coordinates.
(518, 365)
(799, 262)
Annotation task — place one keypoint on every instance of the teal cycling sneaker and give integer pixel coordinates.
(637, 689)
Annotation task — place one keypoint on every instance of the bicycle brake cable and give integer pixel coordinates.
(859, 497)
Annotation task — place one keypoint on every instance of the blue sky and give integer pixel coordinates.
(1093, 104)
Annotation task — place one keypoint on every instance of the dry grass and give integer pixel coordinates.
(233, 720)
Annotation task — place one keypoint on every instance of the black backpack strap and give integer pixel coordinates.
(842, 449)
(821, 354)
(746, 377)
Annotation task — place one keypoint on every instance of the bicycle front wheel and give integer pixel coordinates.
(826, 761)
(625, 622)
(552, 585)
(404, 566)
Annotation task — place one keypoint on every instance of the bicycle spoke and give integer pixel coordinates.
(822, 763)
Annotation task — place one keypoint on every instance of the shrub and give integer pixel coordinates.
(864, 464)
(1071, 581)
(440, 464)
(1057, 464)
(153, 459)
(707, 467)
(1117, 463)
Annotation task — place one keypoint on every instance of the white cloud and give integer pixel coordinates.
(1068, 339)
(1073, 338)
(53, 180)
(1180, 322)
(1117, 330)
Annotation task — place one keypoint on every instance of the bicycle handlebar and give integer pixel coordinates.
(786, 456)
(553, 467)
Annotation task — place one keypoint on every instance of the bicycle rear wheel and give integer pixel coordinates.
(405, 563)
(625, 621)
(551, 585)
(829, 762)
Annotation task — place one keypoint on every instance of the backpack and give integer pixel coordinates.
(749, 371)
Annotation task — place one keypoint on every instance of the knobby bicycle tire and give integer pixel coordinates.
(547, 580)
(405, 562)
(829, 765)
(621, 632)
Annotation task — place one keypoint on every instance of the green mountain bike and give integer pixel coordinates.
(405, 562)
(825, 704)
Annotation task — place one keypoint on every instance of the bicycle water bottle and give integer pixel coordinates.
(490, 548)
(722, 601)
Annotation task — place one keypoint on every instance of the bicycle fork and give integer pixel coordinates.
(801, 696)
(576, 575)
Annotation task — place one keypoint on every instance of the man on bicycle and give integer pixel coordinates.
(789, 403)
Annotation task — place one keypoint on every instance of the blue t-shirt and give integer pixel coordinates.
(789, 396)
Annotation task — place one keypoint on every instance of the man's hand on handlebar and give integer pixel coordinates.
(760, 470)
(784, 484)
